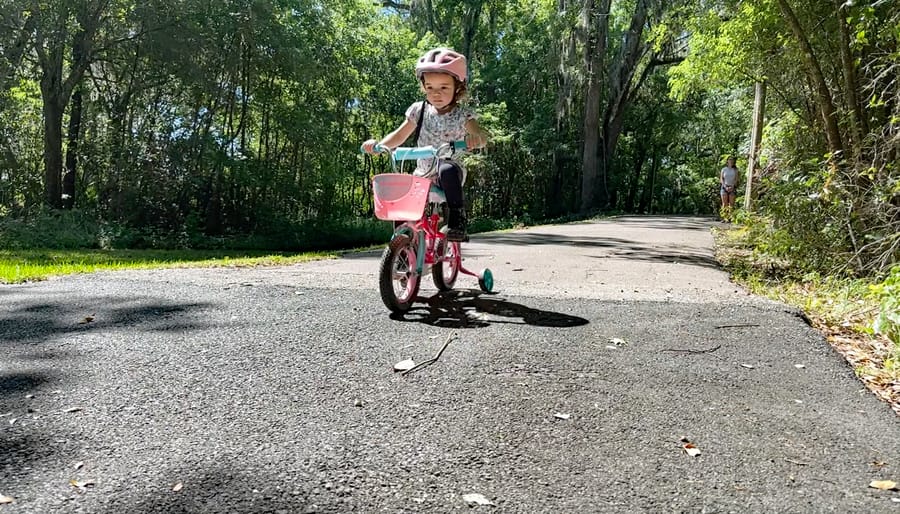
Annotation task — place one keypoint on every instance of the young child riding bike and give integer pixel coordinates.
(439, 119)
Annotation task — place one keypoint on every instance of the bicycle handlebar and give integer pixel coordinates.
(422, 152)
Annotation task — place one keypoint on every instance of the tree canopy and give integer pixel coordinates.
(190, 120)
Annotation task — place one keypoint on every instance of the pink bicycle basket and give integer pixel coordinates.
(399, 196)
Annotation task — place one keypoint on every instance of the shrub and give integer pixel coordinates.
(888, 293)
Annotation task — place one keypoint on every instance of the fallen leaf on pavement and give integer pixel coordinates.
(177, 487)
(87, 319)
(79, 464)
(884, 485)
(72, 409)
(476, 498)
(404, 365)
(691, 449)
(748, 366)
(6, 499)
(560, 415)
(618, 341)
(81, 485)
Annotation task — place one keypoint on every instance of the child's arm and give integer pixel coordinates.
(392, 140)
(476, 137)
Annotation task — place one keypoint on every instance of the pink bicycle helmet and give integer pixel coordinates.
(442, 60)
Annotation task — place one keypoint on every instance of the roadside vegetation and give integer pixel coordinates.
(859, 316)
(29, 265)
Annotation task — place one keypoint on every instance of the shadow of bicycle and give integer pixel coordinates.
(467, 308)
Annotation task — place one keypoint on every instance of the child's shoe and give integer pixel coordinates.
(456, 225)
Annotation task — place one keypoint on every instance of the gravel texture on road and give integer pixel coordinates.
(608, 347)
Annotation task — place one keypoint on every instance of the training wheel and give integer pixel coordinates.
(486, 280)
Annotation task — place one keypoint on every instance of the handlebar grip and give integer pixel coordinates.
(378, 149)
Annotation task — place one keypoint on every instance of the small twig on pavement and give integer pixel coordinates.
(708, 350)
(433, 359)
(741, 325)
(797, 462)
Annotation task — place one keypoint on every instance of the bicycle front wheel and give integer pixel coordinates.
(397, 277)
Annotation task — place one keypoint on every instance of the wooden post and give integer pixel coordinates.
(759, 107)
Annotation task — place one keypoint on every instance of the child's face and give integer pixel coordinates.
(439, 88)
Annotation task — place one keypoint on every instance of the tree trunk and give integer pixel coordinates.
(648, 193)
(647, 190)
(565, 79)
(759, 109)
(814, 72)
(53, 118)
(68, 183)
(857, 118)
(429, 15)
(596, 24)
(601, 137)
(621, 88)
(635, 182)
(56, 91)
(53, 107)
(470, 27)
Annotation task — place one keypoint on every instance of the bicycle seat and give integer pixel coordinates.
(436, 195)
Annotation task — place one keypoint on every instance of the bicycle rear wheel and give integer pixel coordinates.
(446, 266)
(398, 281)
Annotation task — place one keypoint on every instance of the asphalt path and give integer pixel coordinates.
(607, 348)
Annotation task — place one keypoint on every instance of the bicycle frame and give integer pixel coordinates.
(426, 232)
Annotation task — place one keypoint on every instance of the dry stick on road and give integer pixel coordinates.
(433, 359)
(738, 326)
(708, 350)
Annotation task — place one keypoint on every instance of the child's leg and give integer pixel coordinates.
(450, 180)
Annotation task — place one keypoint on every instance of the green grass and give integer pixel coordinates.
(28, 265)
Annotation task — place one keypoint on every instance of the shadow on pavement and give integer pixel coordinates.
(220, 489)
(30, 326)
(19, 450)
(667, 222)
(661, 255)
(612, 248)
(20, 383)
(464, 308)
(36, 322)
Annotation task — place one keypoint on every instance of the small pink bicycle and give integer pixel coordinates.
(419, 243)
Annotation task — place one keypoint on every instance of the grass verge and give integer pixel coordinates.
(28, 265)
(842, 309)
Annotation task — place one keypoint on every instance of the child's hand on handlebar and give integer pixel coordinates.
(369, 145)
(475, 140)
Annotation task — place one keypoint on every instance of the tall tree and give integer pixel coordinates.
(595, 29)
(53, 36)
(814, 72)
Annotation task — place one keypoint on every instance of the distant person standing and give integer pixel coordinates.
(728, 182)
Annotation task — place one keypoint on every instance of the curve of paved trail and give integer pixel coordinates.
(573, 388)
